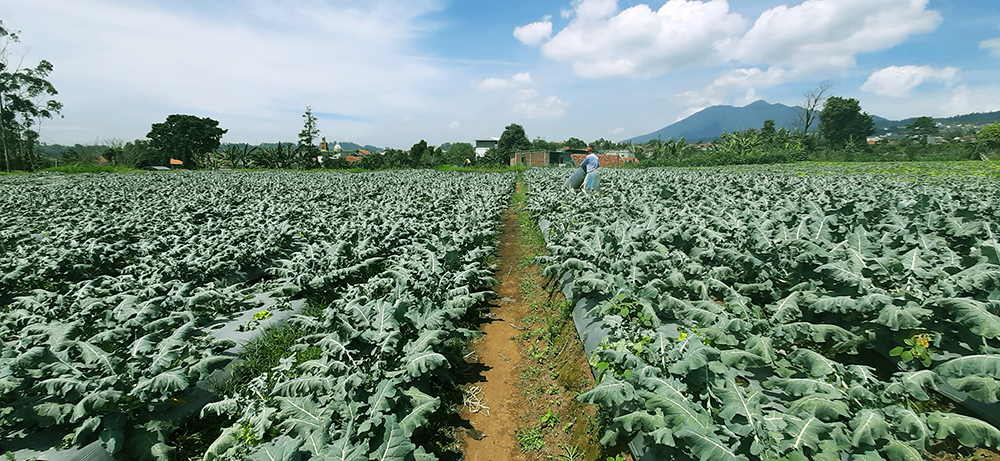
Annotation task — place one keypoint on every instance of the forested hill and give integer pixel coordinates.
(709, 123)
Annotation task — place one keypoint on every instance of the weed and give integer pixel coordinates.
(531, 439)
(549, 419)
(572, 453)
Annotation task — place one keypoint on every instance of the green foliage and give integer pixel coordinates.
(923, 127)
(458, 153)
(186, 138)
(990, 134)
(841, 122)
(734, 300)
(106, 328)
(916, 347)
(512, 140)
(307, 151)
(25, 99)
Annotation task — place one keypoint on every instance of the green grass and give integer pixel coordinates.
(263, 353)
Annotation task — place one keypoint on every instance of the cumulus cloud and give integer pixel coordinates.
(495, 83)
(600, 41)
(992, 45)
(899, 81)
(454, 125)
(521, 97)
(534, 33)
(549, 107)
(618, 130)
(813, 37)
(965, 100)
(249, 64)
(746, 80)
(595, 9)
(820, 35)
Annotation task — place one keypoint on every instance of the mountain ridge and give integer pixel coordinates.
(710, 122)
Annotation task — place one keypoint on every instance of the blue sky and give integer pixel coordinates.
(393, 72)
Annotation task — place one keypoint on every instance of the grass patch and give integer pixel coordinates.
(530, 439)
(263, 353)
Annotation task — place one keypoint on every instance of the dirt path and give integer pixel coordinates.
(534, 364)
(499, 351)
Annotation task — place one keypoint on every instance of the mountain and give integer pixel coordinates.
(711, 122)
(977, 119)
(708, 123)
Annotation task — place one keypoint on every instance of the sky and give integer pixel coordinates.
(390, 73)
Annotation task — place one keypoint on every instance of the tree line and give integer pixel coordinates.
(26, 99)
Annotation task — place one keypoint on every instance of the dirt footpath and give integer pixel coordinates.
(534, 366)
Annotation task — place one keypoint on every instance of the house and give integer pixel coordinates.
(483, 145)
(541, 158)
(605, 160)
(572, 157)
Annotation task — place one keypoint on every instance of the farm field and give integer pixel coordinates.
(111, 284)
(755, 314)
(776, 312)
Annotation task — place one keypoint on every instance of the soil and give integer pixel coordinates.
(529, 387)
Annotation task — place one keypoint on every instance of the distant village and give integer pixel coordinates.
(566, 157)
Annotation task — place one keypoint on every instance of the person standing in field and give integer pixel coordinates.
(582, 174)
(591, 163)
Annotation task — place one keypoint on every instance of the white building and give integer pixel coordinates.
(483, 145)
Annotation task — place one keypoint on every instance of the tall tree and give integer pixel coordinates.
(512, 140)
(307, 149)
(811, 105)
(923, 127)
(842, 122)
(186, 137)
(575, 143)
(767, 132)
(417, 154)
(990, 134)
(24, 102)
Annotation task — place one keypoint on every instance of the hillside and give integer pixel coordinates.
(711, 122)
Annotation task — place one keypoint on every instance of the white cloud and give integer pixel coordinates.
(640, 42)
(492, 83)
(899, 81)
(749, 97)
(520, 80)
(454, 125)
(595, 9)
(520, 96)
(534, 33)
(526, 94)
(746, 80)
(249, 64)
(823, 35)
(965, 100)
(992, 45)
(549, 107)
(618, 130)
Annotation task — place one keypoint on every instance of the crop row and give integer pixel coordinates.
(110, 282)
(757, 315)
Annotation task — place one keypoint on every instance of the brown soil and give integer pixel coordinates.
(528, 385)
